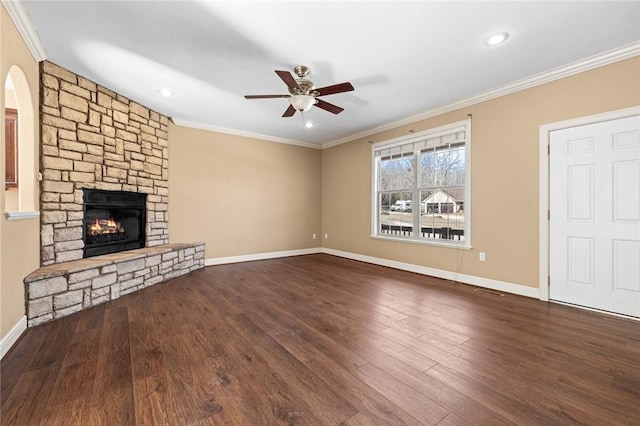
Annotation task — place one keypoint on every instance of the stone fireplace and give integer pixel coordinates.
(96, 139)
(104, 199)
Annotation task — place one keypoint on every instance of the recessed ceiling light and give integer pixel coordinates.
(497, 38)
(166, 92)
(308, 124)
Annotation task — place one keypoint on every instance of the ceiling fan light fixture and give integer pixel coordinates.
(302, 102)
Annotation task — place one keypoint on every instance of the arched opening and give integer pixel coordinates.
(21, 159)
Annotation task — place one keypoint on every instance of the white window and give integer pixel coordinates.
(421, 187)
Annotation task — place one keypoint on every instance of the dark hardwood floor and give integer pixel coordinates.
(323, 340)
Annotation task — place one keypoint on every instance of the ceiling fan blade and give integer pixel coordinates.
(336, 88)
(289, 80)
(328, 107)
(289, 112)
(265, 96)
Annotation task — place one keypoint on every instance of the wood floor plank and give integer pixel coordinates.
(322, 340)
(112, 398)
(421, 407)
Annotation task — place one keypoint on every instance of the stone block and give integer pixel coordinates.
(67, 234)
(115, 291)
(73, 101)
(76, 90)
(153, 280)
(46, 235)
(49, 135)
(58, 122)
(67, 299)
(97, 150)
(40, 320)
(131, 283)
(130, 266)
(141, 273)
(41, 306)
(69, 155)
(71, 206)
(73, 115)
(81, 166)
(104, 280)
(57, 163)
(116, 173)
(47, 255)
(139, 110)
(50, 82)
(120, 117)
(90, 137)
(59, 187)
(85, 285)
(50, 97)
(169, 256)
(81, 177)
(87, 84)
(67, 256)
(83, 275)
(152, 260)
(67, 311)
(54, 216)
(118, 105)
(89, 158)
(104, 100)
(56, 71)
(72, 145)
(46, 287)
(129, 137)
(108, 269)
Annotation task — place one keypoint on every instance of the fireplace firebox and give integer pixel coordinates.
(113, 221)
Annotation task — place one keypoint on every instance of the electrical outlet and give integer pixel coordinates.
(314, 236)
(483, 257)
(326, 236)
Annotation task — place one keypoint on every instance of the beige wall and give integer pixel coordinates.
(504, 157)
(240, 195)
(19, 247)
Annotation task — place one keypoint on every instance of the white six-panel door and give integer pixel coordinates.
(594, 229)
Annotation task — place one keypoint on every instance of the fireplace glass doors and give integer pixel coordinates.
(113, 221)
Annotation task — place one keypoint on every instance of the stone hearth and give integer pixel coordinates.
(61, 289)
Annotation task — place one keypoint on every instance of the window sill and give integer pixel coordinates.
(21, 215)
(462, 246)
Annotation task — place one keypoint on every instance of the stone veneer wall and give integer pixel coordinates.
(95, 138)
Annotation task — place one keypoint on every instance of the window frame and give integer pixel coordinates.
(11, 148)
(463, 125)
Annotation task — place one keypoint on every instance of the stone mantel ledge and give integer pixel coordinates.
(64, 268)
(58, 290)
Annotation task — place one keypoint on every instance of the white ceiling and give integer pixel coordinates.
(403, 58)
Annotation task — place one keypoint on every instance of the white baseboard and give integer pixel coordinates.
(12, 336)
(439, 273)
(260, 256)
(447, 275)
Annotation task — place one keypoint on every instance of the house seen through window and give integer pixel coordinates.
(421, 186)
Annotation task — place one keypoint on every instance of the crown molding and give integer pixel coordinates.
(592, 62)
(26, 29)
(235, 132)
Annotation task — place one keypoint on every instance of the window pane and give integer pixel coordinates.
(396, 172)
(442, 167)
(396, 217)
(442, 213)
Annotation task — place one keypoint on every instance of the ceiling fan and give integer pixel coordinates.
(303, 94)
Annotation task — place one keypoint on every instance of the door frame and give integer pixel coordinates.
(545, 140)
